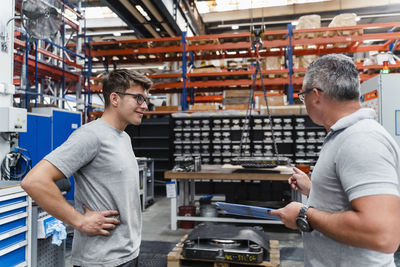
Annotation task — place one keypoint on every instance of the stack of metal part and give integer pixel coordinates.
(260, 162)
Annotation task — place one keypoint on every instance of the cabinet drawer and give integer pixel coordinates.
(6, 227)
(8, 242)
(14, 257)
(18, 198)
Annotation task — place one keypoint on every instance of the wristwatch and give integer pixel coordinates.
(301, 220)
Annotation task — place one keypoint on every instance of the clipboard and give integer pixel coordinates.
(246, 210)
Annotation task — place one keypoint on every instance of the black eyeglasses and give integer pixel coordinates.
(139, 97)
(301, 95)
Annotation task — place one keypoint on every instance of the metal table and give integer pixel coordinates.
(186, 183)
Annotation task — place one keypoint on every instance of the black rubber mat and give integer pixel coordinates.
(154, 253)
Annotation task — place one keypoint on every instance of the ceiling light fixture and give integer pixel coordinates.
(235, 27)
(144, 13)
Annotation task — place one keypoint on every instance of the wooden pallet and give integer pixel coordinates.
(203, 41)
(333, 33)
(307, 35)
(175, 258)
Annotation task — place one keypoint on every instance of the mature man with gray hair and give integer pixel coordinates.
(352, 216)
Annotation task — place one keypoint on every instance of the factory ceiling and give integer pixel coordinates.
(133, 19)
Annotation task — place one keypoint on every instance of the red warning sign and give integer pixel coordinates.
(371, 95)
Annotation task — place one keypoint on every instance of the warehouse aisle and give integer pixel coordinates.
(158, 239)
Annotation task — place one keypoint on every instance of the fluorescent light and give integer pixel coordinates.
(98, 13)
(116, 33)
(144, 13)
(229, 5)
(99, 68)
(108, 33)
(235, 27)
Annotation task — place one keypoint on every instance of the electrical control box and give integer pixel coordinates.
(382, 94)
(12, 119)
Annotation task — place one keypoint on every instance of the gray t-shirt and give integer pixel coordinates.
(359, 158)
(106, 178)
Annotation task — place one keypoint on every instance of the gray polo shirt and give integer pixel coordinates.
(106, 178)
(359, 158)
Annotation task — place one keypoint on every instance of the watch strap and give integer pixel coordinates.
(303, 211)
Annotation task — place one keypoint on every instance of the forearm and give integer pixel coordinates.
(357, 229)
(50, 198)
(39, 183)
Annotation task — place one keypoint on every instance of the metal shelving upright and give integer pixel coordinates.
(54, 67)
(288, 42)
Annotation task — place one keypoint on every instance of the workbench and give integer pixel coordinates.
(186, 184)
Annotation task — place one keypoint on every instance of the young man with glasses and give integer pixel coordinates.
(107, 216)
(352, 215)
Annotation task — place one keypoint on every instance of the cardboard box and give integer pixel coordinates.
(285, 110)
(236, 100)
(199, 107)
(305, 61)
(237, 107)
(206, 69)
(166, 108)
(236, 93)
(271, 63)
(278, 100)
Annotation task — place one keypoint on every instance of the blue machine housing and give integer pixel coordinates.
(47, 129)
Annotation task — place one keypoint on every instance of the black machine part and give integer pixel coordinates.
(230, 232)
(260, 162)
(227, 243)
(64, 185)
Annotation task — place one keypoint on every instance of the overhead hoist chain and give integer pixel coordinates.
(256, 36)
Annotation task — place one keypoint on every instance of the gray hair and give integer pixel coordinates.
(336, 75)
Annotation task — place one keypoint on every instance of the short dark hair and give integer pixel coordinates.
(122, 79)
(336, 75)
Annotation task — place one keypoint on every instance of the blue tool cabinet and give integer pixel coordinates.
(15, 218)
(47, 129)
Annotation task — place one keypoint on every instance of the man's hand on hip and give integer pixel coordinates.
(98, 222)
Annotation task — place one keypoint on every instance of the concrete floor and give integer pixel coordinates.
(156, 227)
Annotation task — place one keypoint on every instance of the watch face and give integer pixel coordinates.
(302, 224)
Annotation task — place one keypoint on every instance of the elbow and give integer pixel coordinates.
(387, 243)
(27, 184)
